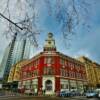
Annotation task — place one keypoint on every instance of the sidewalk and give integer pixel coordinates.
(77, 97)
(8, 94)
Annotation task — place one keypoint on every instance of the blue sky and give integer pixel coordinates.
(82, 43)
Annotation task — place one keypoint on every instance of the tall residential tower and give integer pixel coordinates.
(15, 52)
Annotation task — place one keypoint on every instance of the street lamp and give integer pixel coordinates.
(10, 21)
(21, 28)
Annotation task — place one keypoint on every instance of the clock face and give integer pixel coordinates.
(49, 42)
(50, 35)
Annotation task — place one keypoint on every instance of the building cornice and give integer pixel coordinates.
(70, 58)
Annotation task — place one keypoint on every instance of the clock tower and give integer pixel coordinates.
(50, 43)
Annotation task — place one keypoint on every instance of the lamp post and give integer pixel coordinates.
(11, 21)
(21, 28)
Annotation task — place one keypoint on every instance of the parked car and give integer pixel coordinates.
(75, 93)
(91, 93)
(29, 92)
(98, 92)
(98, 95)
(65, 94)
(2, 93)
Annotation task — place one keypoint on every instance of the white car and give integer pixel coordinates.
(29, 92)
(99, 95)
(91, 94)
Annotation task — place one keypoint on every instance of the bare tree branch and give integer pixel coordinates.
(69, 14)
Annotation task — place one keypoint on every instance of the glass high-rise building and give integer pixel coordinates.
(16, 51)
(4, 60)
(21, 51)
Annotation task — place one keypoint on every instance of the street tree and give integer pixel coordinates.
(26, 16)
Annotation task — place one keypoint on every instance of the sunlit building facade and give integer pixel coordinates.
(92, 72)
(53, 71)
(97, 74)
(15, 74)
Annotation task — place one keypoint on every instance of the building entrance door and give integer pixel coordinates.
(48, 85)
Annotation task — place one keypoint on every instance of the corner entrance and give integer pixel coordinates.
(48, 85)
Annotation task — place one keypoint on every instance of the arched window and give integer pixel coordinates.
(48, 85)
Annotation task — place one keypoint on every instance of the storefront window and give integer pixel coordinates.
(67, 86)
(62, 86)
(27, 84)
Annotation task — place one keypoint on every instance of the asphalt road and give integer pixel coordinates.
(44, 98)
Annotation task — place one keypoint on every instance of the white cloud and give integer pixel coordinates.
(82, 53)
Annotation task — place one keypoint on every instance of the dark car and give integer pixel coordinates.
(2, 93)
(75, 93)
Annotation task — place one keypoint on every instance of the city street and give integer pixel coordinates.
(44, 98)
(49, 50)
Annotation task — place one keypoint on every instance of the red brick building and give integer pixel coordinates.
(53, 71)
